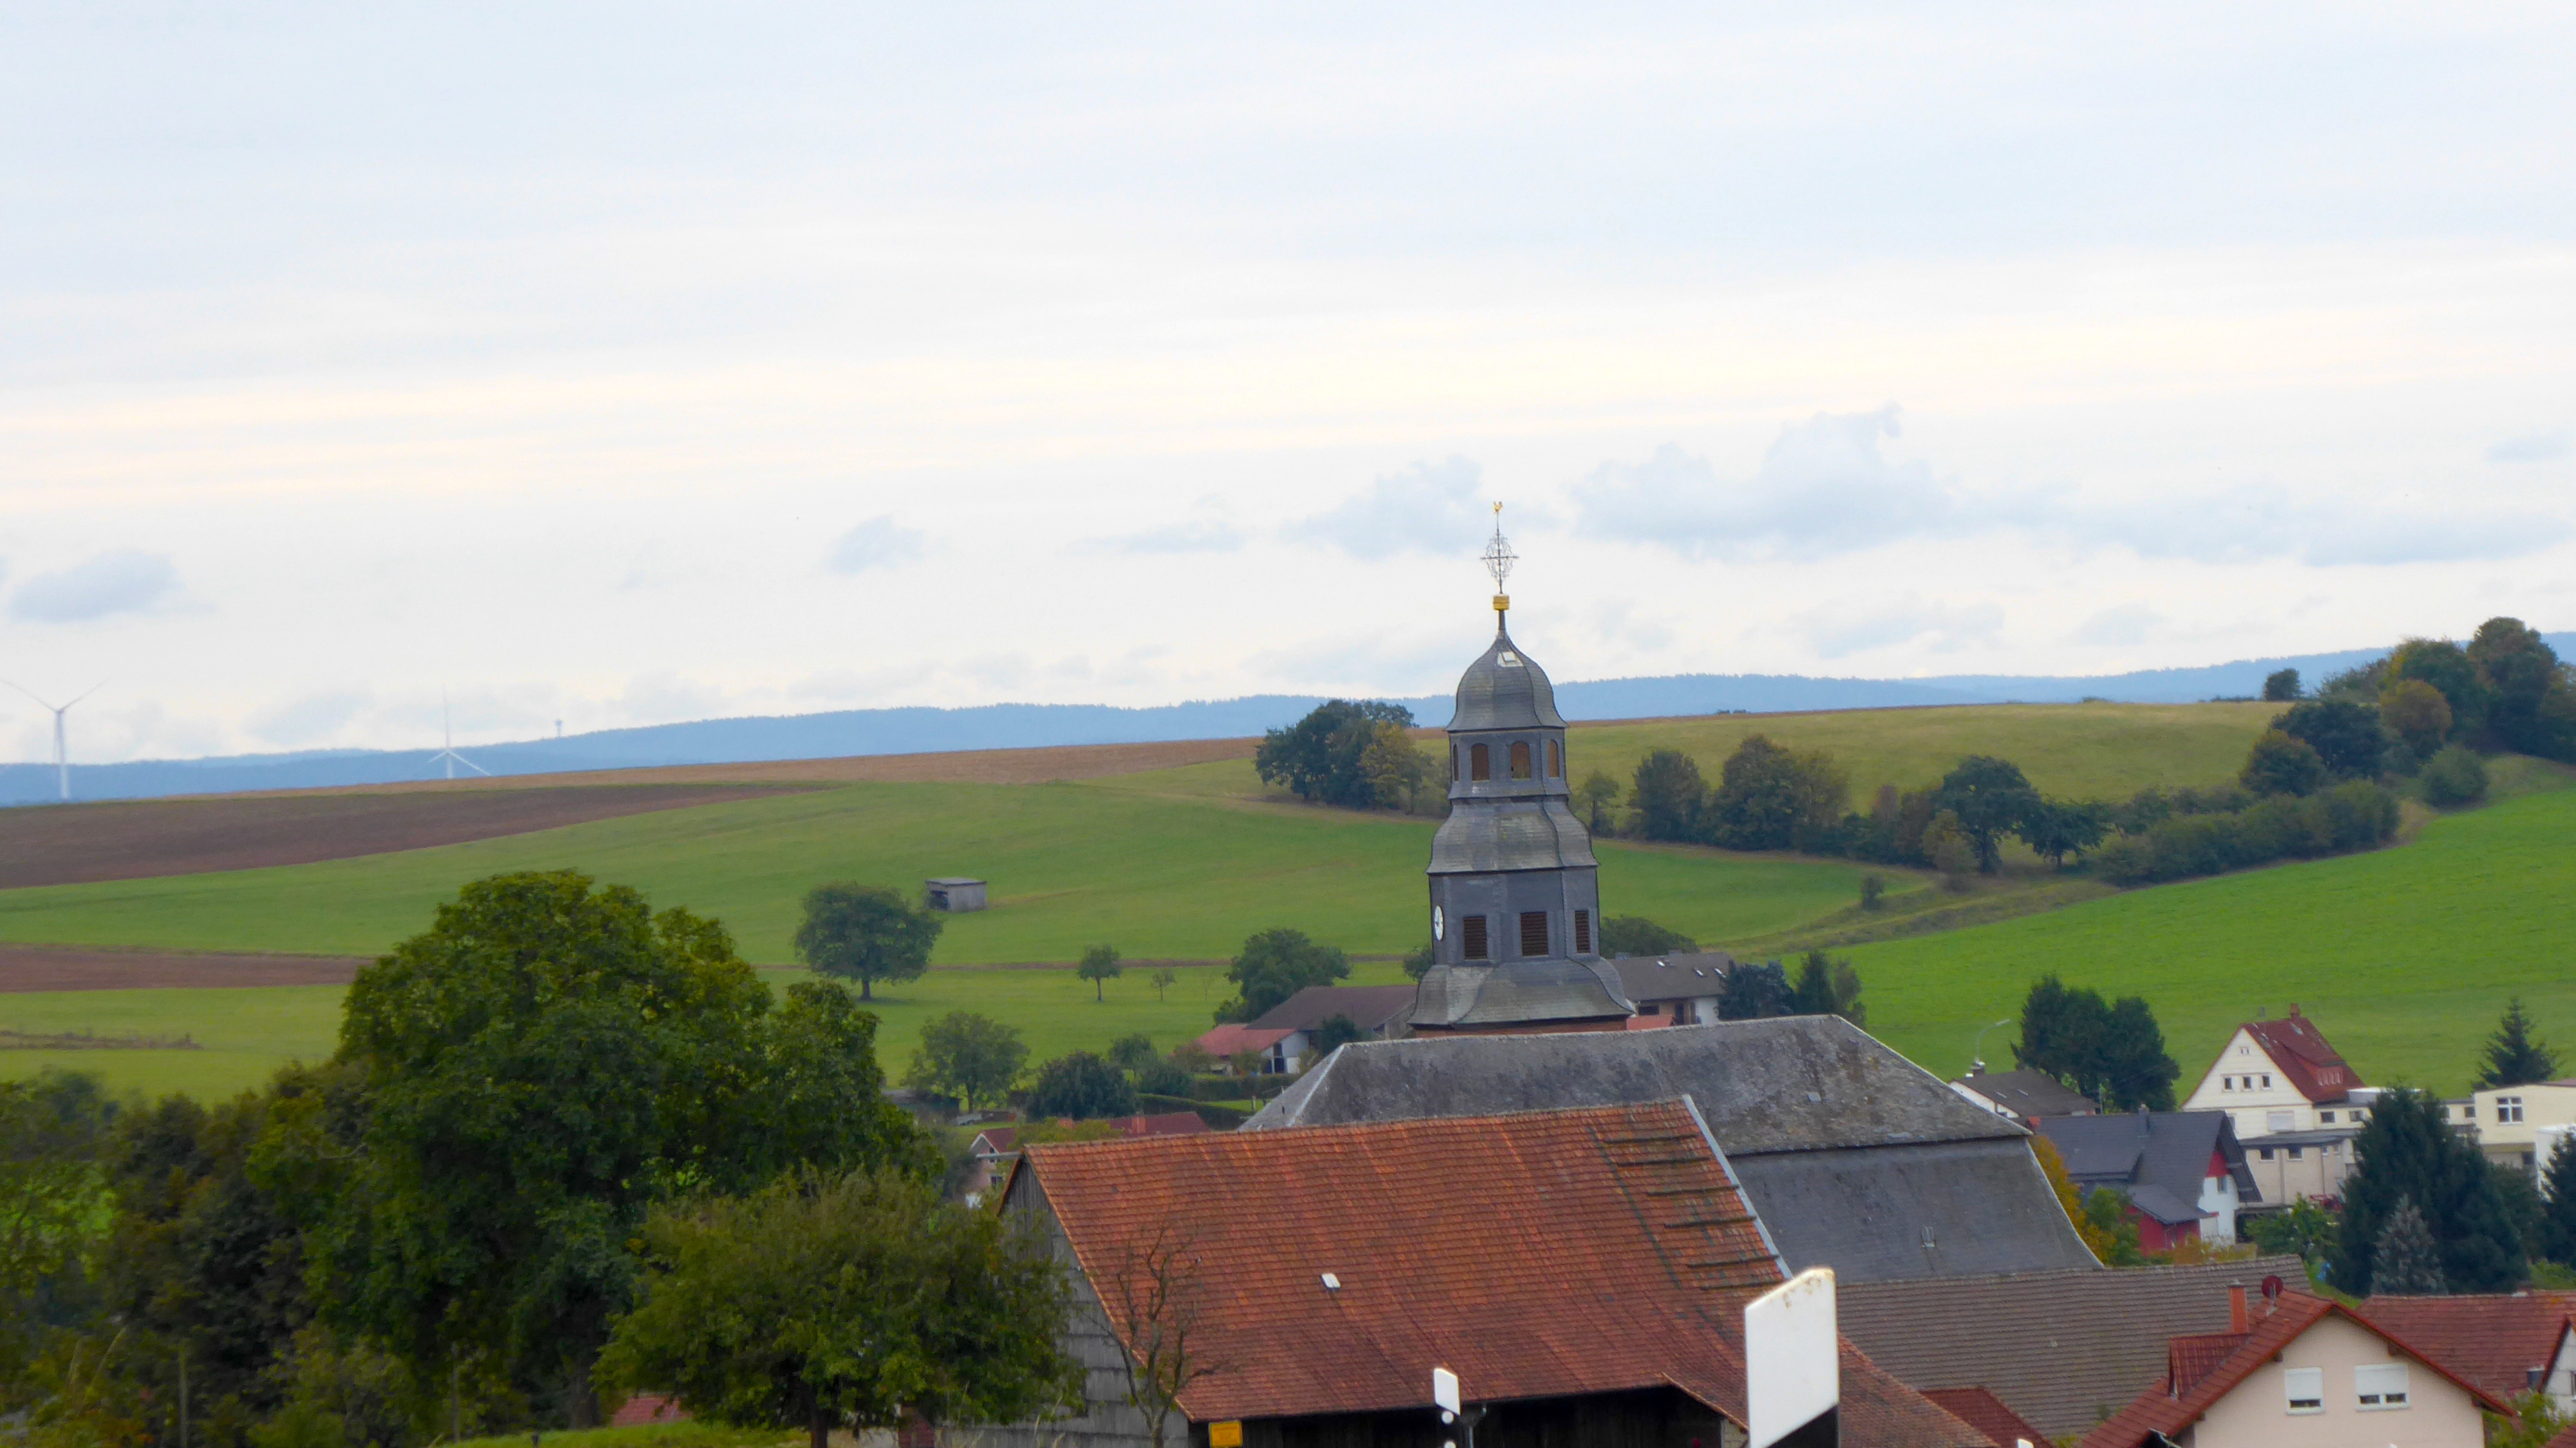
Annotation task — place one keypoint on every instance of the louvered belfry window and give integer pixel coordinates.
(1480, 762)
(1583, 932)
(1534, 933)
(1472, 942)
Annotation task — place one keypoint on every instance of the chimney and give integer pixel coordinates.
(2238, 1319)
(2294, 1008)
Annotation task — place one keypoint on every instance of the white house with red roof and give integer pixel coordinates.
(2283, 1076)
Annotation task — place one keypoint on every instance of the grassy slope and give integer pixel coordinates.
(2404, 956)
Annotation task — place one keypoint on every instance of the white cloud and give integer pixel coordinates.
(1827, 487)
(2546, 447)
(877, 543)
(1204, 536)
(126, 580)
(1936, 627)
(1435, 507)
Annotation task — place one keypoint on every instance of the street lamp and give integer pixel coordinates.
(1977, 1054)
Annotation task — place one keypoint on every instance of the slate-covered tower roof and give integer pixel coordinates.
(1515, 899)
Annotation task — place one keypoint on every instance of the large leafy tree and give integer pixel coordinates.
(1276, 964)
(538, 1067)
(866, 933)
(1771, 798)
(54, 1139)
(2531, 700)
(1081, 1086)
(1828, 987)
(850, 1301)
(2449, 669)
(2516, 1057)
(2280, 764)
(1668, 797)
(2345, 734)
(1752, 992)
(2407, 1153)
(2055, 829)
(971, 1057)
(2111, 1051)
(1337, 755)
(1992, 798)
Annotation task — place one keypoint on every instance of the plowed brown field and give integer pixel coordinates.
(138, 839)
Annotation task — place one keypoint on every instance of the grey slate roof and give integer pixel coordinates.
(1674, 977)
(1536, 833)
(1494, 695)
(2167, 1150)
(2028, 1093)
(1368, 1006)
(1515, 992)
(1849, 1152)
(2057, 1347)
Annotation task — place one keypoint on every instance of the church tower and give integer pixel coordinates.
(1515, 899)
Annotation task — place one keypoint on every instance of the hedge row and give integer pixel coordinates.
(2353, 816)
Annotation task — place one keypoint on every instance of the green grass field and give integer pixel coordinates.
(2404, 957)
(245, 1034)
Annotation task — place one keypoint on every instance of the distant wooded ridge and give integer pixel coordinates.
(1031, 726)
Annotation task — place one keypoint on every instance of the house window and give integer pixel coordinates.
(1520, 759)
(1471, 940)
(2280, 1121)
(1555, 761)
(1533, 934)
(2296, 1153)
(1480, 762)
(2380, 1386)
(2267, 1080)
(2264, 1151)
(1583, 932)
(2326, 1117)
(2305, 1388)
(2508, 1109)
(1650, 1008)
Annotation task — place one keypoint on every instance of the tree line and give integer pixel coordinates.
(558, 1127)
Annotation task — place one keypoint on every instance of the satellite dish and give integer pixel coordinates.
(2271, 1289)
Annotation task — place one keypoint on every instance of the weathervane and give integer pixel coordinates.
(1499, 559)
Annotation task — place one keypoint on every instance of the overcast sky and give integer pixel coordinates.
(631, 363)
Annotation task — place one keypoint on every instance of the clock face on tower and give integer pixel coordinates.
(1439, 923)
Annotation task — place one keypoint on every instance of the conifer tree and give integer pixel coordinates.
(2558, 1209)
(2407, 1154)
(2409, 1262)
(2515, 1057)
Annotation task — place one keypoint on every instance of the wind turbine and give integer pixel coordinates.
(447, 735)
(62, 764)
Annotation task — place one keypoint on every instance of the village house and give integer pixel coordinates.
(1584, 1273)
(2513, 1124)
(1284, 1035)
(2283, 1075)
(1677, 990)
(995, 1148)
(1856, 1158)
(2023, 1096)
(2064, 1349)
(2295, 1166)
(2505, 1343)
(2184, 1172)
(2306, 1373)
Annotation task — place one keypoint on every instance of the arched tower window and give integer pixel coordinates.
(1520, 759)
(1453, 764)
(1480, 762)
(1555, 761)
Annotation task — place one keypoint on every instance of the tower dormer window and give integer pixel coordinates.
(1453, 764)
(1555, 760)
(1480, 762)
(1472, 943)
(1520, 759)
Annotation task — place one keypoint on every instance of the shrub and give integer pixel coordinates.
(1872, 887)
(1163, 1077)
(2417, 713)
(2351, 816)
(2346, 735)
(1081, 1086)
(2279, 764)
(2456, 776)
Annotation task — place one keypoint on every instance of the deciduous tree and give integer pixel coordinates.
(1276, 964)
(1753, 992)
(2055, 829)
(866, 933)
(2448, 668)
(1336, 1032)
(1131, 1052)
(2280, 764)
(1099, 963)
(2345, 734)
(1668, 798)
(1991, 798)
(1637, 935)
(1325, 757)
(848, 1301)
(971, 1057)
(2417, 714)
(2531, 697)
(1082, 1086)
(1771, 798)
(2281, 686)
(1596, 801)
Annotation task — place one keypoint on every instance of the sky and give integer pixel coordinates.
(622, 364)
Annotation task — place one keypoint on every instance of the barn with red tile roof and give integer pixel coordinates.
(1584, 1272)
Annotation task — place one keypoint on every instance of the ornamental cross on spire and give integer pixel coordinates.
(1499, 559)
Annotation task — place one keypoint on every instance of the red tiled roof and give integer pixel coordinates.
(2489, 1339)
(2169, 1407)
(999, 1138)
(1228, 1039)
(1986, 1413)
(1170, 1123)
(2191, 1358)
(1538, 1255)
(2300, 1051)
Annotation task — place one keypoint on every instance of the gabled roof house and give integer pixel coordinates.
(2024, 1096)
(1856, 1158)
(2505, 1343)
(2282, 1075)
(2184, 1171)
(2308, 1374)
(1583, 1272)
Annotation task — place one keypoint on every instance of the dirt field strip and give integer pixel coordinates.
(65, 967)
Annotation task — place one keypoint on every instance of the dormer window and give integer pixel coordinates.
(1555, 760)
